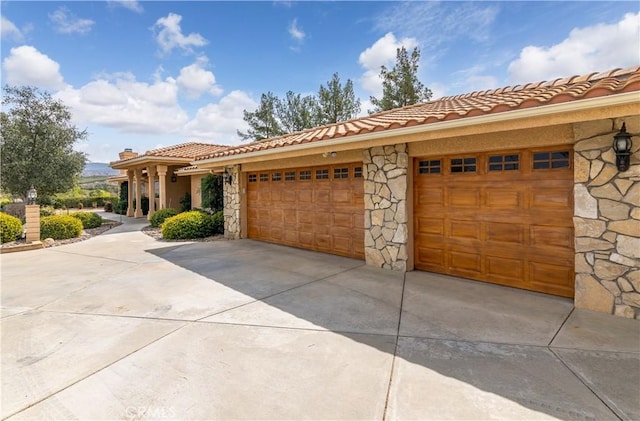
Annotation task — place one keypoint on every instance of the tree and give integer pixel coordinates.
(296, 112)
(36, 143)
(336, 103)
(263, 122)
(400, 85)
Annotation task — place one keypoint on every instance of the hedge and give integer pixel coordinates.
(188, 225)
(10, 227)
(88, 219)
(60, 227)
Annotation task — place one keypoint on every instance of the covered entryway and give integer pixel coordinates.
(503, 217)
(315, 208)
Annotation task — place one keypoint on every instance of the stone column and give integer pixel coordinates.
(606, 220)
(231, 197)
(151, 173)
(162, 177)
(138, 211)
(129, 193)
(32, 214)
(385, 206)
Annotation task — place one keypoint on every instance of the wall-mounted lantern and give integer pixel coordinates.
(32, 195)
(227, 177)
(329, 154)
(622, 146)
(174, 178)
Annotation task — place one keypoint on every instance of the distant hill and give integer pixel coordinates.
(98, 168)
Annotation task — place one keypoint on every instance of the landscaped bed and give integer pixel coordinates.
(86, 234)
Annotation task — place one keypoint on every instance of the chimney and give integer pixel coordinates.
(128, 153)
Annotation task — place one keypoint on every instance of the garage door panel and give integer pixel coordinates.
(496, 221)
(309, 208)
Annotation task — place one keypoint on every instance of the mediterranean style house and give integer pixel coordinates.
(518, 186)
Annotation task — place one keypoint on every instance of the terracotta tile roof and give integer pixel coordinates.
(460, 106)
(188, 151)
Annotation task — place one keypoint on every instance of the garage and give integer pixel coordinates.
(503, 217)
(317, 208)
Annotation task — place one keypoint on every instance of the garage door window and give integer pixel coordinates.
(340, 173)
(463, 165)
(290, 176)
(322, 174)
(264, 178)
(504, 162)
(357, 172)
(253, 178)
(304, 175)
(433, 166)
(550, 160)
(276, 176)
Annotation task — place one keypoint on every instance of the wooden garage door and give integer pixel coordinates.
(503, 217)
(316, 208)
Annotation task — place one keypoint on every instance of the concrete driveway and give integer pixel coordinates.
(124, 327)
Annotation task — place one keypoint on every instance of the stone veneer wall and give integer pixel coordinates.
(231, 197)
(607, 220)
(385, 206)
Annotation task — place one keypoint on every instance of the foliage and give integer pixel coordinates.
(47, 211)
(275, 117)
(124, 191)
(218, 222)
(120, 207)
(400, 85)
(36, 146)
(185, 202)
(108, 206)
(60, 227)
(88, 219)
(10, 227)
(337, 103)
(212, 192)
(160, 215)
(188, 225)
(263, 122)
(296, 113)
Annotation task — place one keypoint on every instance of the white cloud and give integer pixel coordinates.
(195, 80)
(130, 106)
(594, 48)
(219, 122)
(10, 31)
(25, 65)
(170, 36)
(132, 5)
(295, 32)
(67, 23)
(382, 52)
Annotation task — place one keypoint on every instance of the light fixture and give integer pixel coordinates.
(227, 177)
(174, 178)
(32, 195)
(622, 146)
(329, 154)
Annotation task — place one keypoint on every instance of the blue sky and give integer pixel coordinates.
(144, 74)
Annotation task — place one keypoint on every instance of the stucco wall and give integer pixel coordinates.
(196, 190)
(607, 220)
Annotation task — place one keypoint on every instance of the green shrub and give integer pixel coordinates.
(10, 227)
(46, 211)
(159, 216)
(185, 203)
(121, 207)
(218, 222)
(60, 227)
(108, 206)
(188, 225)
(88, 219)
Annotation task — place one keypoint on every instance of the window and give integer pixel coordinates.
(429, 167)
(264, 178)
(253, 178)
(304, 175)
(357, 172)
(340, 173)
(550, 160)
(290, 176)
(509, 162)
(276, 176)
(463, 165)
(322, 174)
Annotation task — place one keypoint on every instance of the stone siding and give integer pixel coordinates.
(607, 220)
(385, 206)
(232, 204)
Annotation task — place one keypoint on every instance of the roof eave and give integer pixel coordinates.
(627, 98)
(136, 162)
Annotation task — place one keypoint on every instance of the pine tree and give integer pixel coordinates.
(336, 103)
